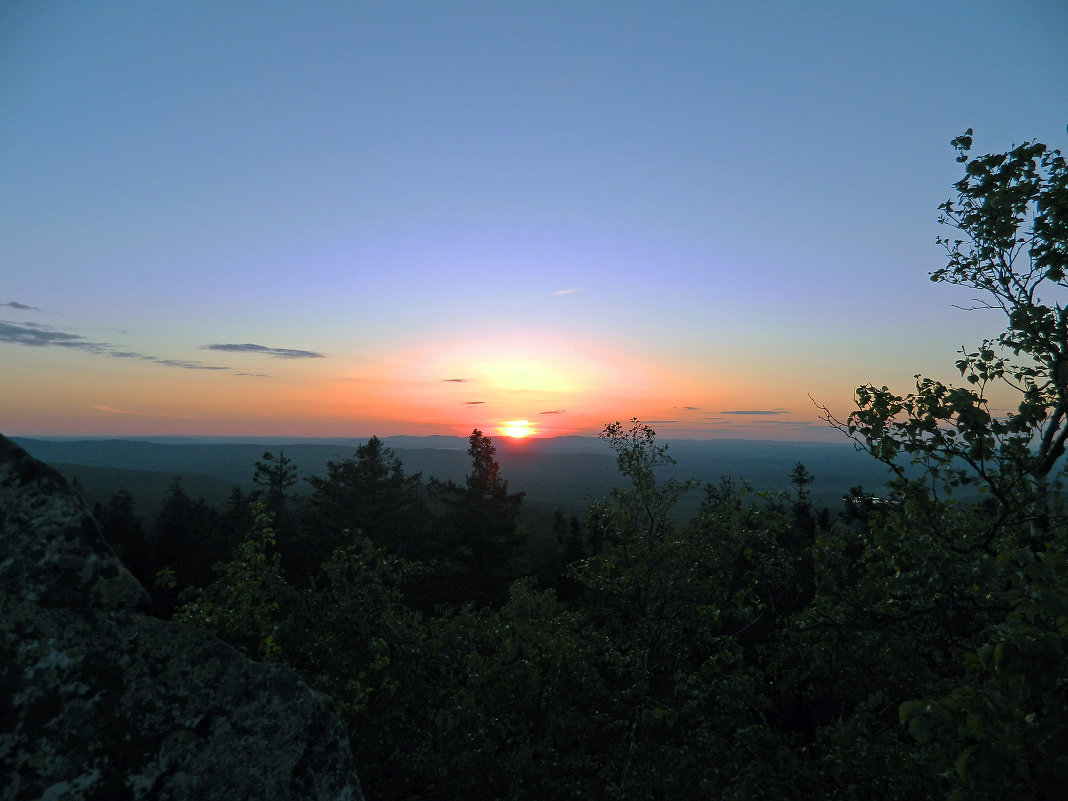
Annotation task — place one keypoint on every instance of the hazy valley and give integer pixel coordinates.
(565, 473)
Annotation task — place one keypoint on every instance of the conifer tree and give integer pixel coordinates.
(477, 527)
(370, 494)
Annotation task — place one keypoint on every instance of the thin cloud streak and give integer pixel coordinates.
(277, 353)
(14, 304)
(568, 291)
(184, 364)
(35, 335)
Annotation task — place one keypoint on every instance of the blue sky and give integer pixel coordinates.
(669, 210)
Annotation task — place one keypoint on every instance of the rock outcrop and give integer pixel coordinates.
(98, 700)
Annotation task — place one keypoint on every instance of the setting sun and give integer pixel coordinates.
(517, 428)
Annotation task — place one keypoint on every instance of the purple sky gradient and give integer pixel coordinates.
(672, 211)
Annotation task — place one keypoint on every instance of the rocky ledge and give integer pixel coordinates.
(99, 700)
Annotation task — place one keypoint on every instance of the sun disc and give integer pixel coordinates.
(516, 428)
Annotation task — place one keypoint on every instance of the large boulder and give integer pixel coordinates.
(99, 700)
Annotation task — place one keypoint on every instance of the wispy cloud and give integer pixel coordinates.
(690, 408)
(473, 403)
(111, 410)
(756, 411)
(14, 304)
(660, 422)
(554, 411)
(253, 375)
(277, 353)
(567, 291)
(184, 364)
(454, 380)
(37, 336)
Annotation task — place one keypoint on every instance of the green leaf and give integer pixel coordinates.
(960, 764)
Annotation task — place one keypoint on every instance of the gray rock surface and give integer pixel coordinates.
(98, 700)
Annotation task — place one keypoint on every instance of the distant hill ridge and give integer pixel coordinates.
(567, 471)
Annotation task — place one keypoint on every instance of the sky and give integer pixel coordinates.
(333, 219)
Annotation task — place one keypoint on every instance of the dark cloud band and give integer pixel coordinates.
(277, 353)
(35, 335)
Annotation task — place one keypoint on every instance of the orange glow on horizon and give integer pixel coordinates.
(522, 387)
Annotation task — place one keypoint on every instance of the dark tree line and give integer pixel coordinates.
(465, 537)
